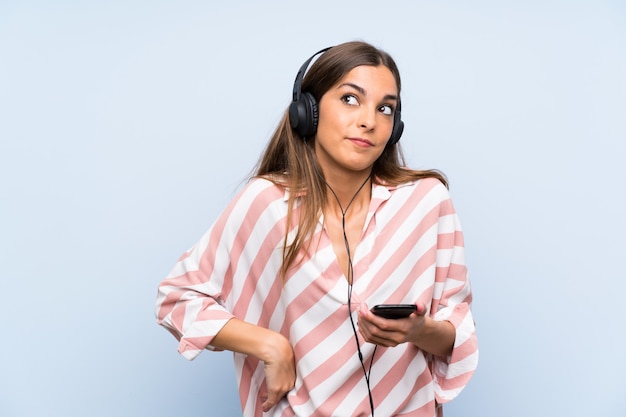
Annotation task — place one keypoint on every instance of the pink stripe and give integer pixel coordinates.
(404, 249)
(168, 303)
(450, 384)
(458, 272)
(249, 367)
(426, 410)
(324, 371)
(328, 407)
(445, 240)
(266, 249)
(387, 384)
(464, 350)
(391, 230)
(262, 200)
(418, 270)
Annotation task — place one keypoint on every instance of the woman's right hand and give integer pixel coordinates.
(268, 346)
(280, 371)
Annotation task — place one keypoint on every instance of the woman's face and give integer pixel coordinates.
(356, 119)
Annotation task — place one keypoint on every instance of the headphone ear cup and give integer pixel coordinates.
(303, 115)
(398, 128)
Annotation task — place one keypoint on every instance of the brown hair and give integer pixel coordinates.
(288, 163)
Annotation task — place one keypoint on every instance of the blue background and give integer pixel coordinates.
(127, 126)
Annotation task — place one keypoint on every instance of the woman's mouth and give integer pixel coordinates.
(364, 143)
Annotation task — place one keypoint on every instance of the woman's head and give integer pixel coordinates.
(327, 72)
(286, 150)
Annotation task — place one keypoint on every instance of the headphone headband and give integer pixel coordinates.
(297, 85)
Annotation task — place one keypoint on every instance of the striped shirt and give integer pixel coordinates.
(411, 251)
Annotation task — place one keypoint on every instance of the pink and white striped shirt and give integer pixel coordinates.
(411, 251)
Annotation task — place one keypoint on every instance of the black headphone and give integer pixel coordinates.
(303, 113)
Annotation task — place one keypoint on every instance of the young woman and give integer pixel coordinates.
(332, 224)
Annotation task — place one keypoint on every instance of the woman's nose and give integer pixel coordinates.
(367, 118)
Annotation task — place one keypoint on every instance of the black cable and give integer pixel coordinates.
(350, 276)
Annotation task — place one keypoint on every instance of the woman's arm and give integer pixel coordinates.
(268, 346)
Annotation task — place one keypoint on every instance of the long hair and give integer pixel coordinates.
(287, 162)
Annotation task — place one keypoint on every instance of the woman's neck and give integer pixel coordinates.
(348, 192)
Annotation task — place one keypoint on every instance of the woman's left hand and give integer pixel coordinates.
(391, 332)
(436, 337)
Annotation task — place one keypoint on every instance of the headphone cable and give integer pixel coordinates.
(350, 276)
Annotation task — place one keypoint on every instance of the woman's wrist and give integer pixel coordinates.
(436, 337)
(272, 346)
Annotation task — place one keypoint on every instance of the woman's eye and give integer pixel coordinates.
(386, 110)
(350, 99)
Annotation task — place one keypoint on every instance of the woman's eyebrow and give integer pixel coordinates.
(362, 91)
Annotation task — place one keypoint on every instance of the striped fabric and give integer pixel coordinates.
(411, 251)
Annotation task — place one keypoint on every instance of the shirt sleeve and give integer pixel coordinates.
(191, 300)
(451, 301)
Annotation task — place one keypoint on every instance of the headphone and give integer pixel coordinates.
(304, 115)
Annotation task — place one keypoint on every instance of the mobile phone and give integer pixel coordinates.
(394, 311)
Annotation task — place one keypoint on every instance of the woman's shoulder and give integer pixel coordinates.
(419, 185)
(260, 191)
(263, 186)
(429, 194)
(254, 198)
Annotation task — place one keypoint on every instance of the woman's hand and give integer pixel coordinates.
(390, 332)
(280, 371)
(268, 346)
(436, 337)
